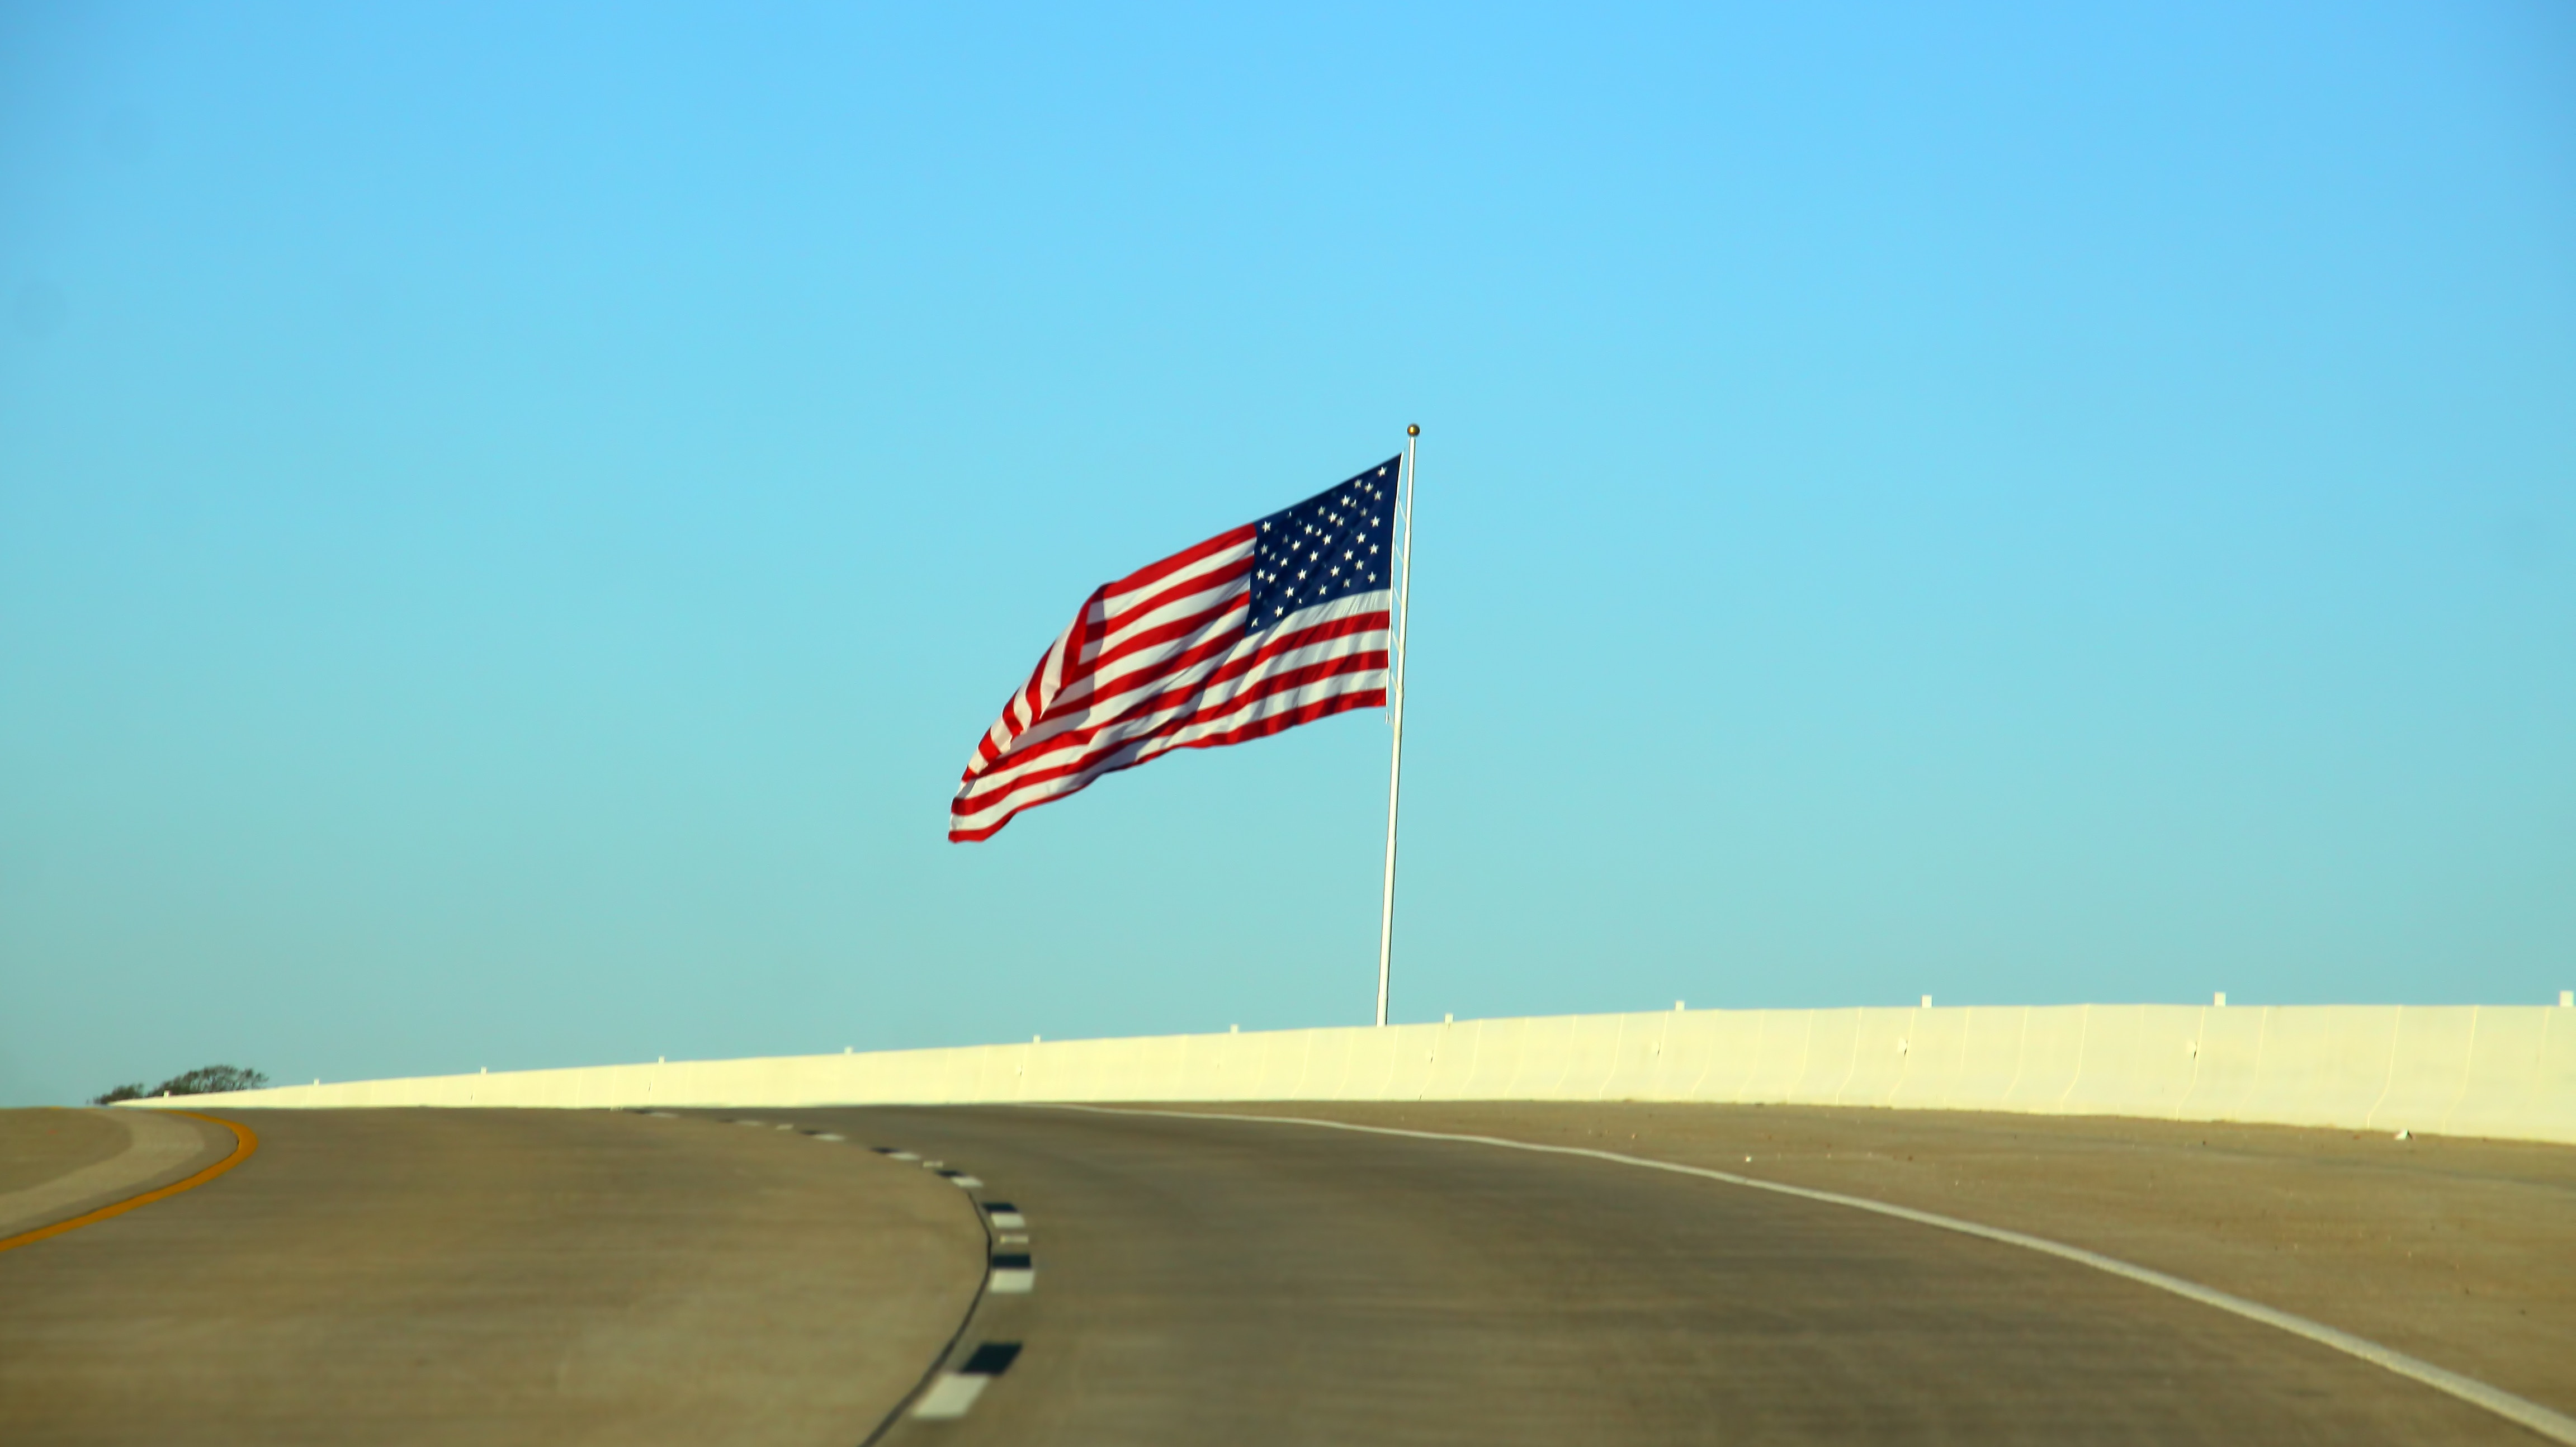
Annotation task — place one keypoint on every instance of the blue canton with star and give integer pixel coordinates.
(1338, 542)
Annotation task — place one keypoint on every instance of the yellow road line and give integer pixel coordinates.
(244, 1142)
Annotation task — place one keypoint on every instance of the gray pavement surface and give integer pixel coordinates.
(1205, 1281)
(59, 1164)
(37, 1146)
(494, 1277)
(2455, 1250)
(540, 1276)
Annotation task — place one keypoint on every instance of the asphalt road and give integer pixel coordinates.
(546, 1277)
(1205, 1281)
(493, 1277)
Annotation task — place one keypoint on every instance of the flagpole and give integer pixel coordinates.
(1395, 701)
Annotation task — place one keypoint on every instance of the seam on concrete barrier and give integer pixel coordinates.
(2191, 1087)
(2556, 1426)
(1707, 1063)
(244, 1142)
(2469, 1065)
(2021, 1055)
(2075, 1077)
(2388, 1077)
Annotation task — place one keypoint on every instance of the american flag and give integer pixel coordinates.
(1263, 627)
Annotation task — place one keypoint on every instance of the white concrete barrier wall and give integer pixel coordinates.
(2505, 1071)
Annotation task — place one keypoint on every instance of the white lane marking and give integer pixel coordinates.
(824, 1135)
(965, 1182)
(2556, 1426)
(952, 1392)
(782, 1127)
(930, 1165)
(899, 1155)
(661, 1115)
(1010, 1220)
(1011, 1239)
(751, 1122)
(951, 1395)
(1014, 1281)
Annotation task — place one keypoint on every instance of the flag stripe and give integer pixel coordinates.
(1247, 667)
(1244, 721)
(1356, 670)
(1173, 656)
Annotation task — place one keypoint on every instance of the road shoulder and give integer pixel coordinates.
(2461, 1252)
(67, 1163)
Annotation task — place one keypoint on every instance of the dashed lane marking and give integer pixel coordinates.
(1012, 1273)
(953, 1394)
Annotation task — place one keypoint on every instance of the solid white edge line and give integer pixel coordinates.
(2556, 1426)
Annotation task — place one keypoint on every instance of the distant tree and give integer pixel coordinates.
(122, 1092)
(211, 1080)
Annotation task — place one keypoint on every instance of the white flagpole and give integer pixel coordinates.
(1395, 702)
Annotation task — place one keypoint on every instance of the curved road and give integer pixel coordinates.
(543, 1276)
(500, 1276)
(1223, 1281)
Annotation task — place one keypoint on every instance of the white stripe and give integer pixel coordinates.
(1013, 1281)
(1184, 685)
(995, 784)
(1215, 562)
(1138, 748)
(1098, 694)
(1208, 609)
(1104, 691)
(1146, 749)
(1125, 611)
(2556, 1426)
(1055, 697)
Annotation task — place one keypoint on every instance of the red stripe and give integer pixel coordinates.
(1285, 642)
(1146, 638)
(1285, 681)
(1155, 572)
(1086, 657)
(1217, 647)
(1198, 583)
(1037, 693)
(1259, 728)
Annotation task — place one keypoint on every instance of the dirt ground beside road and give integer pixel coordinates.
(2459, 1251)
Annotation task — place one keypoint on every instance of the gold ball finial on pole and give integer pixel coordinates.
(1412, 431)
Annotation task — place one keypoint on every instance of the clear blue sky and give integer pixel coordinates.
(511, 518)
